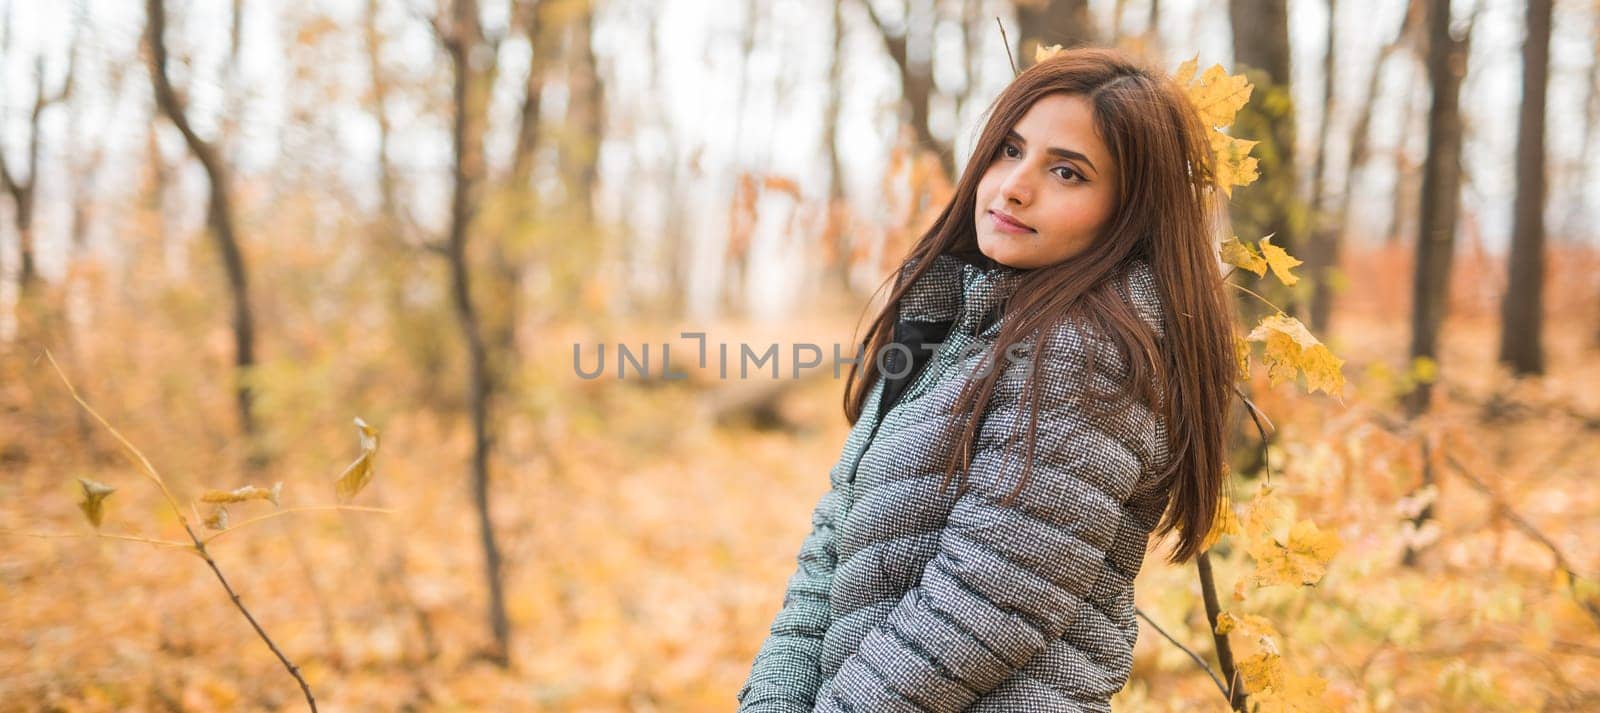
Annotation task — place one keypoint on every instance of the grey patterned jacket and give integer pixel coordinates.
(911, 599)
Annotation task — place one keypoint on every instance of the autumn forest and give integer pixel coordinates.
(457, 355)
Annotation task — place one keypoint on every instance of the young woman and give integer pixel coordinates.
(1059, 341)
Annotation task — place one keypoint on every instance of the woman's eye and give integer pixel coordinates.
(1006, 149)
(1069, 174)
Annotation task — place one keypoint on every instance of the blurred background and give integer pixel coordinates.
(237, 226)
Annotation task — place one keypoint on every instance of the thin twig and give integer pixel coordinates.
(98, 535)
(1575, 648)
(1007, 42)
(1257, 416)
(1527, 528)
(1523, 525)
(149, 470)
(1252, 292)
(1197, 659)
(309, 508)
(199, 544)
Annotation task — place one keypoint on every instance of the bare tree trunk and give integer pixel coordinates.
(1327, 241)
(1591, 116)
(736, 253)
(674, 243)
(154, 180)
(1439, 209)
(373, 44)
(23, 192)
(463, 40)
(1578, 217)
(219, 212)
(975, 26)
(916, 75)
(1522, 310)
(528, 125)
(585, 116)
(1117, 10)
(1408, 178)
(836, 242)
(1322, 251)
(1052, 22)
(1441, 192)
(1273, 204)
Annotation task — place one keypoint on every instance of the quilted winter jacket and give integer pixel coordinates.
(909, 598)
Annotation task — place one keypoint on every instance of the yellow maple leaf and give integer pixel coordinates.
(1302, 561)
(1184, 75)
(239, 495)
(1043, 52)
(1226, 523)
(1234, 164)
(1424, 370)
(1217, 96)
(1241, 352)
(1261, 671)
(1266, 508)
(1295, 693)
(1242, 256)
(1279, 260)
(358, 473)
(1255, 627)
(94, 498)
(1290, 347)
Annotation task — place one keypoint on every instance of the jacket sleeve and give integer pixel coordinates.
(787, 672)
(1007, 580)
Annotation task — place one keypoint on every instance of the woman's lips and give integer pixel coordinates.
(1006, 226)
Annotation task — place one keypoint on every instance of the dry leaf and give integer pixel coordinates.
(1290, 347)
(248, 492)
(1217, 98)
(1261, 671)
(1234, 164)
(94, 497)
(1243, 256)
(1302, 561)
(218, 519)
(1257, 628)
(1226, 523)
(1044, 52)
(1185, 72)
(1241, 352)
(359, 473)
(1279, 260)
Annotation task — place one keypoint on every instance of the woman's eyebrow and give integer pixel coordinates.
(1055, 151)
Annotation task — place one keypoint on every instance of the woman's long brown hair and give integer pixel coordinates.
(1165, 214)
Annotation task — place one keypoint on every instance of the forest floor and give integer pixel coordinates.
(647, 548)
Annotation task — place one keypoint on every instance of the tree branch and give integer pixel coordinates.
(1197, 659)
(199, 544)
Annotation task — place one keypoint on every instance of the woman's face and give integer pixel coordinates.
(1053, 176)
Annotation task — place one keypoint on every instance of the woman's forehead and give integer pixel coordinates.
(1063, 121)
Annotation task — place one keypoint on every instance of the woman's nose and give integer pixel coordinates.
(1015, 187)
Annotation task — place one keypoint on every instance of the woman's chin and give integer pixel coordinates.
(1002, 249)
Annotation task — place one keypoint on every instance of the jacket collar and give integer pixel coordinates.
(955, 285)
(976, 289)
